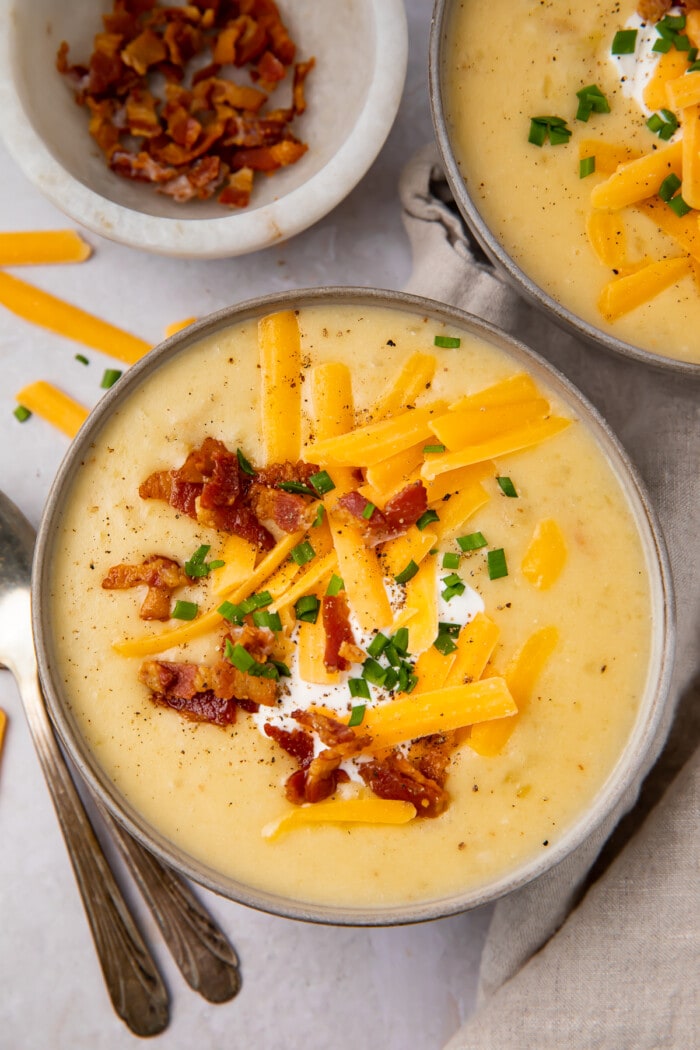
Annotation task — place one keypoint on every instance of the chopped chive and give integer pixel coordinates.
(426, 519)
(497, 564)
(196, 565)
(358, 687)
(373, 671)
(591, 100)
(669, 186)
(306, 608)
(448, 342)
(244, 464)
(450, 560)
(265, 618)
(297, 487)
(586, 167)
(239, 656)
(408, 573)
(679, 206)
(368, 510)
(444, 644)
(356, 715)
(664, 124)
(256, 601)
(378, 644)
(335, 586)
(392, 677)
(82, 358)
(507, 487)
(400, 640)
(21, 414)
(554, 128)
(216, 564)
(185, 610)
(429, 449)
(624, 42)
(453, 586)
(453, 629)
(322, 482)
(662, 45)
(282, 669)
(109, 377)
(452, 579)
(302, 553)
(320, 515)
(231, 612)
(474, 541)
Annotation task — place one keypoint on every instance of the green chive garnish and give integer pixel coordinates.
(185, 610)
(357, 714)
(453, 586)
(82, 358)
(231, 612)
(373, 671)
(335, 586)
(679, 206)
(507, 487)
(307, 608)
(302, 553)
(400, 641)
(109, 377)
(552, 128)
(239, 656)
(669, 187)
(444, 644)
(196, 566)
(450, 560)
(497, 564)
(448, 342)
(664, 124)
(265, 618)
(297, 487)
(368, 511)
(473, 542)
(322, 482)
(426, 519)
(21, 414)
(216, 564)
(586, 166)
(430, 449)
(408, 573)
(624, 42)
(378, 644)
(244, 464)
(591, 100)
(359, 687)
(320, 515)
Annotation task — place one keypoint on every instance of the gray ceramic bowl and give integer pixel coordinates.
(442, 13)
(353, 94)
(650, 709)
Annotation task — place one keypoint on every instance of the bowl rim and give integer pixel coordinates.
(654, 700)
(230, 234)
(489, 243)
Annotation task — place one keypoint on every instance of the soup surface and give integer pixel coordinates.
(626, 264)
(546, 562)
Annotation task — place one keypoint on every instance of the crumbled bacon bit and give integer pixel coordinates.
(337, 628)
(319, 778)
(399, 513)
(160, 575)
(203, 141)
(395, 777)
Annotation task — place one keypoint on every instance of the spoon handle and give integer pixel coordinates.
(207, 961)
(133, 982)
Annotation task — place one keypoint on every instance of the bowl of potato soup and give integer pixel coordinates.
(351, 608)
(571, 142)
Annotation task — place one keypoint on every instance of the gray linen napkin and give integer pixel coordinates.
(621, 972)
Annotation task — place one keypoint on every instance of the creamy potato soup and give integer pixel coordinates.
(392, 670)
(576, 128)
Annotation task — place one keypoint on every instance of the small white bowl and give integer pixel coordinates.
(353, 93)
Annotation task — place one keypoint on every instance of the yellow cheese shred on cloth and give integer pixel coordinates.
(621, 972)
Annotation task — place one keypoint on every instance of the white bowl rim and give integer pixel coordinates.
(652, 708)
(227, 235)
(491, 245)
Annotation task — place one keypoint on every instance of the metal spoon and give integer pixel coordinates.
(207, 960)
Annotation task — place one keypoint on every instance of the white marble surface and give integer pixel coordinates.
(305, 986)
